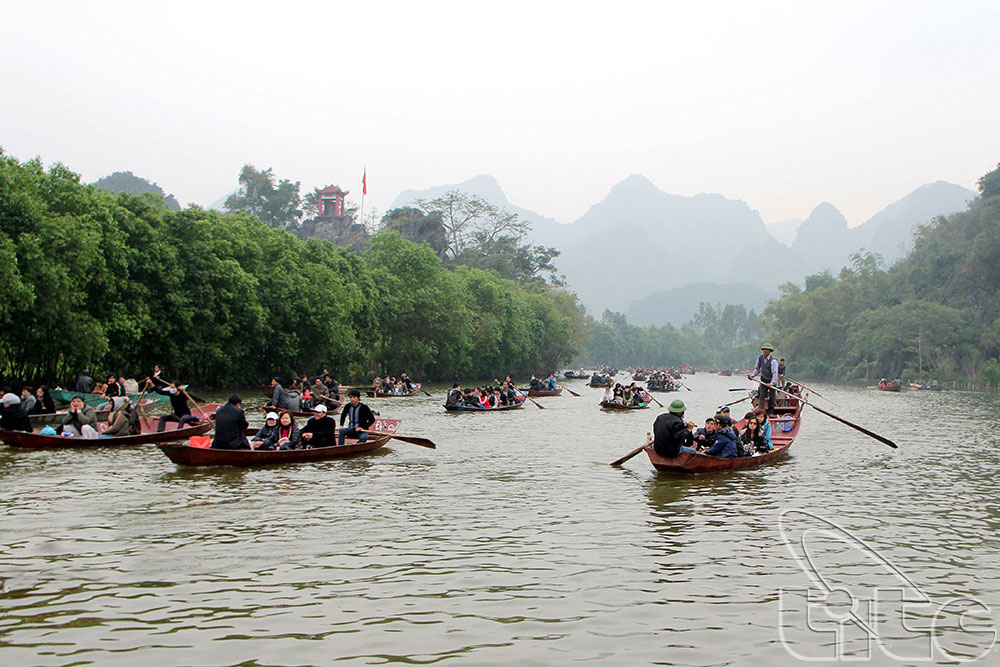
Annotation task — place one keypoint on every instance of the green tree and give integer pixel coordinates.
(276, 203)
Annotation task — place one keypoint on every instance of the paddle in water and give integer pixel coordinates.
(562, 386)
(862, 429)
(619, 461)
(412, 439)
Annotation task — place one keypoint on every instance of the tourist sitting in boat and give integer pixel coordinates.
(608, 396)
(508, 395)
(534, 384)
(550, 382)
(319, 389)
(454, 395)
(28, 399)
(180, 411)
(471, 397)
(44, 405)
(231, 425)
(765, 427)
(727, 442)
(752, 438)
(377, 383)
(286, 435)
(85, 384)
(407, 383)
(671, 434)
(269, 427)
(13, 416)
(81, 420)
(358, 416)
(704, 437)
(320, 429)
(114, 392)
(123, 421)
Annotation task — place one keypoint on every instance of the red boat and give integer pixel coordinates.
(544, 392)
(189, 455)
(784, 427)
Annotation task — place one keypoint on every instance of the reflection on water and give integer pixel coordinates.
(514, 541)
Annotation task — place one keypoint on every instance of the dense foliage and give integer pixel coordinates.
(936, 313)
(126, 181)
(721, 336)
(119, 282)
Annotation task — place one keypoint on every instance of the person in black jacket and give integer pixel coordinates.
(671, 434)
(180, 411)
(85, 384)
(321, 429)
(359, 417)
(230, 426)
(43, 402)
(13, 417)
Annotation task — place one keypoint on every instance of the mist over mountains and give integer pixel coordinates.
(650, 254)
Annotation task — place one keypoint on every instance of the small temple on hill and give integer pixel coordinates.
(334, 221)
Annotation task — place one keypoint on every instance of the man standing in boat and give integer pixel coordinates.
(230, 426)
(767, 368)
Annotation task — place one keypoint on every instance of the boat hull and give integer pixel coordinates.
(544, 392)
(186, 455)
(469, 408)
(148, 436)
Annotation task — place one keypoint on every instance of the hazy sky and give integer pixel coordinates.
(781, 104)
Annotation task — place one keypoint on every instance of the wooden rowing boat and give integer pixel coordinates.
(469, 408)
(784, 427)
(148, 435)
(618, 406)
(186, 455)
(544, 392)
(375, 393)
(55, 418)
(599, 385)
(893, 387)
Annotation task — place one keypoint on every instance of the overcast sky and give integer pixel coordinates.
(781, 104)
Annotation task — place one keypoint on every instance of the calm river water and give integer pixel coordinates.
(515, 542)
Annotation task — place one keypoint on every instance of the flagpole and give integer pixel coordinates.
(364, 191)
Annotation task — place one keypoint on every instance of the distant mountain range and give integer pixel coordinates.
(651, 254)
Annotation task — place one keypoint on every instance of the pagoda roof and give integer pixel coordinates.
(331, 190)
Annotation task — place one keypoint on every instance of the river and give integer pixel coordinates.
(515, 542)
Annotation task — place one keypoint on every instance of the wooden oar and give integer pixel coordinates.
(138, 403)
(562, 386)
(652, 398)
(813, 391)
(683, 385)
(739, 401)
(425, 391)
(197, 407)
(412, 439)
(862, 429)
(619, 461)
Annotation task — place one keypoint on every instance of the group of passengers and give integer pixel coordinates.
(403, 386)
(301, 395)
(548, 384)
(664, 381)
(720, 436)
(630, 395)
(500, 394)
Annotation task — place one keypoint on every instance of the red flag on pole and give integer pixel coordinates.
(364, 182)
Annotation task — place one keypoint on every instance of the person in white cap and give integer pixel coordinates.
(320, 430)
(265, 432)
(13, 417)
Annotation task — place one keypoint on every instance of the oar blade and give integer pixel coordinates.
(619, 461)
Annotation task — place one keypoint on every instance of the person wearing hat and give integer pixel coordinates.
(269, 427)
(358, 416)
(767, 368)
(231, 425)
(321, 429)
(671, 434)
(13, 416)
